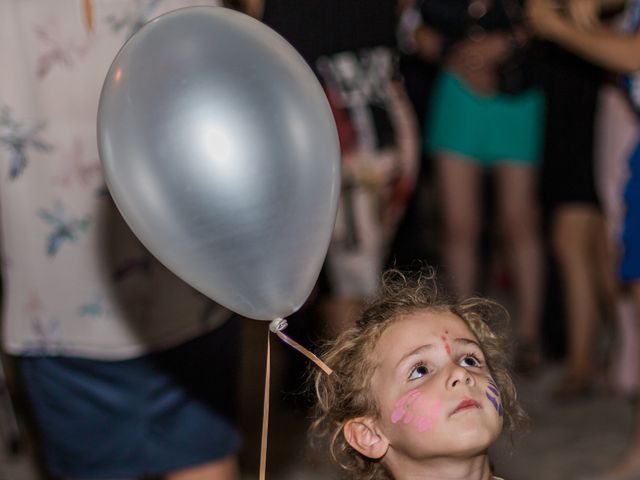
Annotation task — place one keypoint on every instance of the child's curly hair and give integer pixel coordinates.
(346, 394)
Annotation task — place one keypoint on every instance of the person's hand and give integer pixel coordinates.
(584, 13)
(544, 16)
(372, 172)
(475, 61)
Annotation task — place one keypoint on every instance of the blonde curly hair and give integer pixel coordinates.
(346, 394)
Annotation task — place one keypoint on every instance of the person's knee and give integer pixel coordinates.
(462, 231)
(564, 246)
(569, 243)
(521, 225)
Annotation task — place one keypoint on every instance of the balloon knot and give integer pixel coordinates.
(278, 325)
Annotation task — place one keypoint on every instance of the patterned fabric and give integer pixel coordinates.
(378, 142)
(76, 281)
(375, 128)
(379, 163)
(350, 45)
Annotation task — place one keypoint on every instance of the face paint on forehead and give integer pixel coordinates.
(415, 409)
(493, 394)
(445, 341)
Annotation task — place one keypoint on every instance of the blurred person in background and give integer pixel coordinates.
(577, 229)
(130, 372)
(616, 135)
(486, 114)
(351, 46)
(580, 31)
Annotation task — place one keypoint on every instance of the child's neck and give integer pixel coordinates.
(474, 468)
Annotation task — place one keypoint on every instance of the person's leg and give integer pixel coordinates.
(518, 214)
(459, 181)
(607, 288)
(574, 232)
(634, 451)
(616, 132)
(224, 469)
(629, 467)
(354, 259)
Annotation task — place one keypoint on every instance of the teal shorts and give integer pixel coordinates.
(487, 129)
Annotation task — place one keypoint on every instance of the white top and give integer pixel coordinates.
(76, 281)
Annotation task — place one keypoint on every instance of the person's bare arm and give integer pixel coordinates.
(429, 43)
(609, 49)
(586, 14)
(609, 4)
(255, 8)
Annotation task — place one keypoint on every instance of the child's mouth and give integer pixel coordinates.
(466, 404)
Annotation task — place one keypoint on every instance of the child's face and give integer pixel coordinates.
(434, 390)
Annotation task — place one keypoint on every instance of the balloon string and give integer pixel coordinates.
(88, 15)
(265, 413)
(277, 327)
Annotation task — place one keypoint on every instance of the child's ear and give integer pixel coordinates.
(364, 436)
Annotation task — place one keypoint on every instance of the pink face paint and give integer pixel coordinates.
(415, 409)
(402, 405)
(408, 417)
(426, 421)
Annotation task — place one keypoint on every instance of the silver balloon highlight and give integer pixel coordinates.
(220, 150)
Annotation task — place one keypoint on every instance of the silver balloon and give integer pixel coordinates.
(220, 150)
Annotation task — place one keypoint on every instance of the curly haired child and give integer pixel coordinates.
(420, 386)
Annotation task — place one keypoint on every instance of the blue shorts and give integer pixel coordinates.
(630, 266)
(139, 417)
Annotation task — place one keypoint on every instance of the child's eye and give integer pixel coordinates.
(418, 371)
(470, 361)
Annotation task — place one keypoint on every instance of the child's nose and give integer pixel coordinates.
(460, 376)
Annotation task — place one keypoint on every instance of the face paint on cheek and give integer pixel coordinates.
(493, 394)
(402, 406)
(426, 421)
(414, 409)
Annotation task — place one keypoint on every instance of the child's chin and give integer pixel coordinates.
(478, 439)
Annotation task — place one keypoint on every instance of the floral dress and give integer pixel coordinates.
(76, 281)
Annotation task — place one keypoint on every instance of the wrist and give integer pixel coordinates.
(557, 30)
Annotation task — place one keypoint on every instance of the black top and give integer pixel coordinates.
(452, 17)
(323, 27)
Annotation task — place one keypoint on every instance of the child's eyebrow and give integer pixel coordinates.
(466, 341)
(413, 353)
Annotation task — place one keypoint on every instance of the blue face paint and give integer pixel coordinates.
(493, 395)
